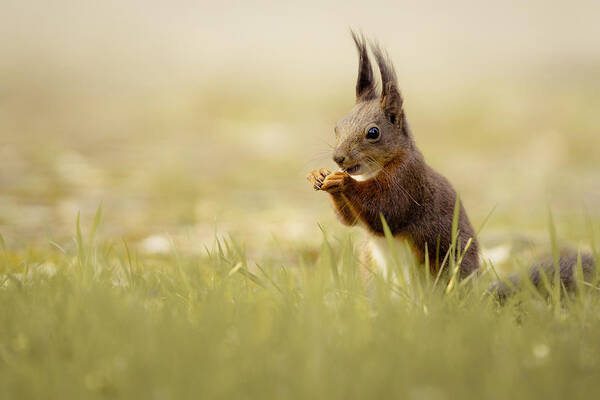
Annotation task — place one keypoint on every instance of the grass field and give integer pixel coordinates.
(214, 270)
(96, 320)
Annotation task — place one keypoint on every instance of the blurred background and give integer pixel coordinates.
(186, 118)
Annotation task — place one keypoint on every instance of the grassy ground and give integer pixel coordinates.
(96, 320)
(192, 124)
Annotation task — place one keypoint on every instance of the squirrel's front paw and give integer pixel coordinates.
(317, 177)
(336, 182)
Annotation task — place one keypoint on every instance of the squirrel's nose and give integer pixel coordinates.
(339, 159)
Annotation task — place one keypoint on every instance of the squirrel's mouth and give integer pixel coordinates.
(352, 169)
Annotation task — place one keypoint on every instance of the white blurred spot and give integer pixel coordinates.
(156, 244)
(496, 255)
(541, 351)
(47, 268)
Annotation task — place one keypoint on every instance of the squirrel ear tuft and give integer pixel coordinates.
(365, 86)
(391, 99)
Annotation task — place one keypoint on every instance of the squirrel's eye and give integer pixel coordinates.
(373, 133)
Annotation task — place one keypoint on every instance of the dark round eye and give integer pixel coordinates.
(373, 133)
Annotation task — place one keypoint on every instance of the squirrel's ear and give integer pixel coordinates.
(391, 99)
(391, 103)
(365, 87)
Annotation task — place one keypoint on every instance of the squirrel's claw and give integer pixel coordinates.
(317, 177)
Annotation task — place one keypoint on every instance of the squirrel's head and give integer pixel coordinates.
(375, 131)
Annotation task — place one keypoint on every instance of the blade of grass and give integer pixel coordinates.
(330, 257)
(4, 253)
(556, 261)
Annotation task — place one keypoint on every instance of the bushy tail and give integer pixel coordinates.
(567, 268)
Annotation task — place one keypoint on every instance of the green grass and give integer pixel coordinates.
(185, 133)
(140, 309)
(95, 319)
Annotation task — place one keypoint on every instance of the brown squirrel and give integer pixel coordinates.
(383, 174)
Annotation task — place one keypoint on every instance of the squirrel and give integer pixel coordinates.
(383, 175)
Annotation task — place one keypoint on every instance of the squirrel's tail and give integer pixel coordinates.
(567, 268)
